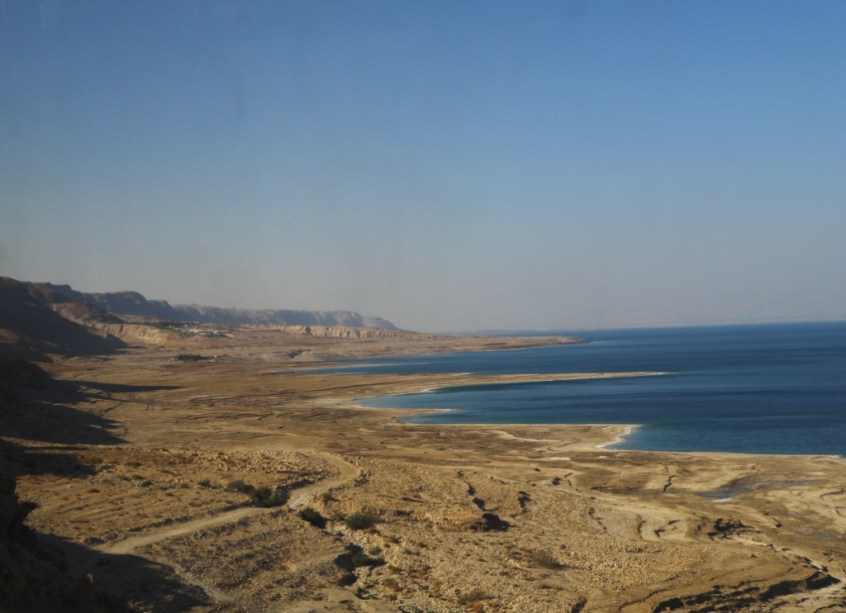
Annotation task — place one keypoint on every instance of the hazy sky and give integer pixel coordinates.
(446, 165)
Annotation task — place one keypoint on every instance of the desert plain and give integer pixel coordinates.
(228, 473)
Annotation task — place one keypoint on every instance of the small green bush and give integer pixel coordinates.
(359, 521)
(360, 559)
(262, 496)
(240, 486)
(265, 497)
(313, 517)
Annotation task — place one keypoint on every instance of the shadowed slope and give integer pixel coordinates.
(34, 323)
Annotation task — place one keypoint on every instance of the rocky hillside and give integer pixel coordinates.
(35, 321)
(32, 573)
(136, 305)
(39, 320)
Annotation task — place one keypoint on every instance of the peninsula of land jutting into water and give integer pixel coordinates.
(226, 473)
(774, 388)
(456, 382)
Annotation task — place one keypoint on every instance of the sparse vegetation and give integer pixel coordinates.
(239, 486)
(359, 521)
(262, 496)
(360, 559)
(313, 517)
(190, 357)
(266, 497)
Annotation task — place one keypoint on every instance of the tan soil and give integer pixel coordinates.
(132, 487)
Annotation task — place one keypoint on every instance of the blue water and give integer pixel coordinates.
(751, 389)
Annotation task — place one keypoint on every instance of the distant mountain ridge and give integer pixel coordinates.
(130, 303)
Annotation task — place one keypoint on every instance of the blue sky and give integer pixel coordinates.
(447, 165)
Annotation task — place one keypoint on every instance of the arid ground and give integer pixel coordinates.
(249, 482)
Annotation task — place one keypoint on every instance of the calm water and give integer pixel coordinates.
(758, 389)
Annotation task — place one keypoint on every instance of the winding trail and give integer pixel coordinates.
(346, 472)
(129, 545)
(297, 499)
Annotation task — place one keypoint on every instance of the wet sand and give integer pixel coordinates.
(131, 475)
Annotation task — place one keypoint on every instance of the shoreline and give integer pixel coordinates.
(473, 379)
(468, 379)
(157, 442)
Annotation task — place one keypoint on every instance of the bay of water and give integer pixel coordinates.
(749, 389)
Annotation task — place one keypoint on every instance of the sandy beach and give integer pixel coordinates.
(147, 478)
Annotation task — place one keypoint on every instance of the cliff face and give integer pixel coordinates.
(135, 304)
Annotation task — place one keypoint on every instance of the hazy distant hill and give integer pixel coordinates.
(136, 305)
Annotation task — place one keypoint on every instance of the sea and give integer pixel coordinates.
(774, 388)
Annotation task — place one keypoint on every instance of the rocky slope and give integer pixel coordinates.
(33, 573)
(35, 321)
(32, 576)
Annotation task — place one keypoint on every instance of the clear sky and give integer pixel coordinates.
(448, 165)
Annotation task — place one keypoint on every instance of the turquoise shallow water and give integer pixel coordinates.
(756, 389)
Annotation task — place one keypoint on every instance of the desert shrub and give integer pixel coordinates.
(266, 497)
(262, 493)
(360, 559)
(313, 517)
(190, 357)
(205, 483)
(262, 496)
(359, 521)
(239, 486)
